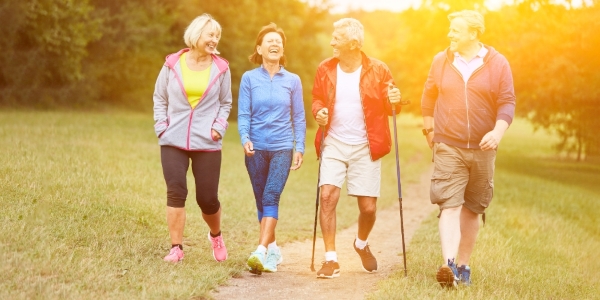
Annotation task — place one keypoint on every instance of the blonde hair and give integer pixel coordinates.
(474, 20)
(199, 24)
(354, 29)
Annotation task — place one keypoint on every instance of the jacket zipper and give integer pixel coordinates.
(210, 85)
(467, 98)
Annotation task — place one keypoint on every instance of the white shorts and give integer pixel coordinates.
(352, 163)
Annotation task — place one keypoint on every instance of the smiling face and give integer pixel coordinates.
(461, 36)
(340, 43)
(271, 48)
(209, 39)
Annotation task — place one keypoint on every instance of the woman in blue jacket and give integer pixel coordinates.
(272, 125)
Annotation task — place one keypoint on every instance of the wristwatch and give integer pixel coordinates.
(427, 131)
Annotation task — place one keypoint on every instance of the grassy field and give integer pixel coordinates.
(83, 208)
(541, 239)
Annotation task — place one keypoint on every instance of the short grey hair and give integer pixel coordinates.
(474, 20)
(199, 24)
(354, 29)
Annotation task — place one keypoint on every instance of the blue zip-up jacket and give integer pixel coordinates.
(179, 125)
(271, 111)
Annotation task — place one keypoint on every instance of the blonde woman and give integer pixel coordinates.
(192, 101)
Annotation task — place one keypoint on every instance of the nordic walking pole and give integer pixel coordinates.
(312, 262)
(399, 184)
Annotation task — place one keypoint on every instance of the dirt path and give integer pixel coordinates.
(294, 279)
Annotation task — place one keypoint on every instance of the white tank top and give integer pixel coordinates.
(348, 121)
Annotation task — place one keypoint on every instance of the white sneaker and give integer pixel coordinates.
(273, 259)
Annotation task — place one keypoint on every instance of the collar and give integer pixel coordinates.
(481, 53)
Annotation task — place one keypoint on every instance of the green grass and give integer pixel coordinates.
(541, 239)
(83, 208)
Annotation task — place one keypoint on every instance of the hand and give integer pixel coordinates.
(249, 149)
(490, 140)
(322, 116)
(215, 135)
(394, 94)
(429, 138)
(297, 161)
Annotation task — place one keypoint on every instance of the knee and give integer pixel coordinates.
(209, 207)
(369, 210)
(328, 203)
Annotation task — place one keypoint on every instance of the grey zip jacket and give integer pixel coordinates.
(175, 122)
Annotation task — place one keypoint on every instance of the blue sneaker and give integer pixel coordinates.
(464, 275)
(447, 275)
(274, 258)
(256, 262)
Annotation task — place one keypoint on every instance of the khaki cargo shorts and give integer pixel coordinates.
(352, 163)
(462, 177)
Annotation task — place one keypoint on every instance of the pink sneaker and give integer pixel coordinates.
(175, 255)
(218, 246)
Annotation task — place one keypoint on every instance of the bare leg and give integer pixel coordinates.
(176, 223)
(267, 230)
(469, 228)
(330, 195)
(213, 221)
(449, 227)
(368, 214)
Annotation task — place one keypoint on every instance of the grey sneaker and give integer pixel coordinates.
(447, 275)
(273, 259)
(464, 275)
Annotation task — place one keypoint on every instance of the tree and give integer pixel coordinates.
(45, 42)
(125, 61)
(553, 52)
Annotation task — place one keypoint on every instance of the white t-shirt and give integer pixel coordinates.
(348, 121)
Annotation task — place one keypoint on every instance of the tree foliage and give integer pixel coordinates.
(44, 43)
(90, 53)
(552, 49)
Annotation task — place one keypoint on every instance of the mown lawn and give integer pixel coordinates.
(83, 208)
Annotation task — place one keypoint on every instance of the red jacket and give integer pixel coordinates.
(374, 79)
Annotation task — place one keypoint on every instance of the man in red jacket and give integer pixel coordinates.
(352, 98)
(467, 105)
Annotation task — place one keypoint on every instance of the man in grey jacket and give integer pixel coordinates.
(467, 105)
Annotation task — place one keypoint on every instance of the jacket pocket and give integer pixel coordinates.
(176, 130)
(455, 126)
(201, 132)
(160, 128)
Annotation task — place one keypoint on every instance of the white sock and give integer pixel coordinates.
(331, 255)
(273, 246)
(360, 244)
(261, 249)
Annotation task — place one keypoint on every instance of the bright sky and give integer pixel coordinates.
(342, 6)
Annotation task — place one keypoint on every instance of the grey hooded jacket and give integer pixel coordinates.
(176, 123)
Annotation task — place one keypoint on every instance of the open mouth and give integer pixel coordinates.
(274, 50)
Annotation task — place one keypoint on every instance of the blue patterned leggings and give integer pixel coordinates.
(269, 171)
